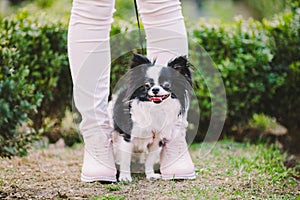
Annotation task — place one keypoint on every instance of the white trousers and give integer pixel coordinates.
(89, 51)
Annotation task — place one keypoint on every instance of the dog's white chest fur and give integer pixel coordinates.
(149, 117)
(151, 124)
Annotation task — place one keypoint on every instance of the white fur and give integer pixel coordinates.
(154, 72)
(148, 117)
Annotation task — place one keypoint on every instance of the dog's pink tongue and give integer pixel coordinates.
(156, 99)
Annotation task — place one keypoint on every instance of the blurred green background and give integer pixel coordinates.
(193, 9)
(254, 44)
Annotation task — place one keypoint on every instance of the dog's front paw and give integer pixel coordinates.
(153, 176)
(126, 177)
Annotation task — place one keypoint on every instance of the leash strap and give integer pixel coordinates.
(139, 26)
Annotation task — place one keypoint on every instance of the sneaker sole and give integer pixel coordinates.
(98, 178)
(177, 177)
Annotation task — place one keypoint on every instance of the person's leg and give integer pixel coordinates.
(89, 56)
(165, 29)
(166, 39)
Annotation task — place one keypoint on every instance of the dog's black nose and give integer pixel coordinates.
(155, 90)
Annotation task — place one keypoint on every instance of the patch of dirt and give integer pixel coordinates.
(54, 173)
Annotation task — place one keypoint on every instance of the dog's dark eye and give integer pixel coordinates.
(147, 85)
(167, 85)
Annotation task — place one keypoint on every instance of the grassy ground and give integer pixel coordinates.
(230, 171)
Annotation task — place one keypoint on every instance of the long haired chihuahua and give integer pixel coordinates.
(144, 110)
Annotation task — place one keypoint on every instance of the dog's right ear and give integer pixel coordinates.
(138, 60)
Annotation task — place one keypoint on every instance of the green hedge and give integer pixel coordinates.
(17, 99)
(42, 47)
(285, 45)
(40, 58)
(259, 64)
(260, 67)
(242, 56)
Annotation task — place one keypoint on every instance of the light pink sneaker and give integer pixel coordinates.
(98, 162)
(176, 162)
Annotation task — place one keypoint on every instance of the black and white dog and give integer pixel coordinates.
(145, 109)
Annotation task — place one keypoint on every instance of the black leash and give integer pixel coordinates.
(139, 26)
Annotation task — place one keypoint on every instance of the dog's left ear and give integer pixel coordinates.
(181, 65)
